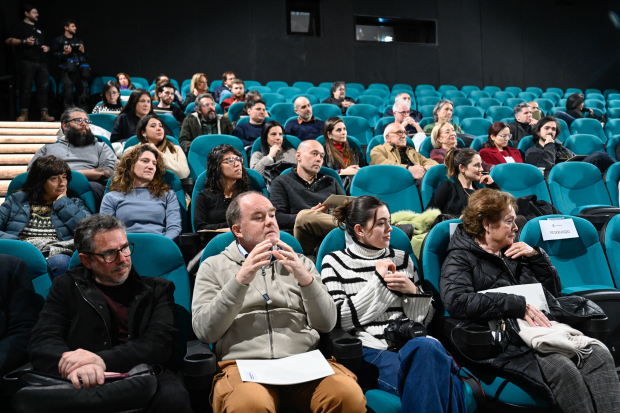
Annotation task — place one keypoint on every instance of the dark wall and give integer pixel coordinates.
(481, 42)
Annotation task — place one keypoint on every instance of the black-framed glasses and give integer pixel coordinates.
(112, 255)
(403, 112)
(231, 160)
(81, 121)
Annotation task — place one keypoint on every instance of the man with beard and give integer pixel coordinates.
(81, 150)
(339, 98)
(165, 93)
(306, 127)
(203, 122)
(71, 77)
(102, 317)
(238, 94)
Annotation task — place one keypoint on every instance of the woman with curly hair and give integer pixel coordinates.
(226, 178)
(138, 186)
(150, 130)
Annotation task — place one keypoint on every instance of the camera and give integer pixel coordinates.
(400, 331)
(78, 60)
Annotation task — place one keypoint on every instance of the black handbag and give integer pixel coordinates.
(274, 170)
(40, 392)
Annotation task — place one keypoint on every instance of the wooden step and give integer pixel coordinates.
(1, 200)
(27, 139)
(15, 159)
(4, 186)
(30, 125)
(30, 148)
(27, 132)
(10, 172)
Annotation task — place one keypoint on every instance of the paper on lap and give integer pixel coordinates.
(300, 368)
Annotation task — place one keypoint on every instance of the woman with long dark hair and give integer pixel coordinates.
(44, 212)
(575, 108)
(226, 178)
(150, 130)
(339, 155)
(124, 81)
(273, 148)
(110, 98)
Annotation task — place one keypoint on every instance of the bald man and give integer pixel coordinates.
(536, 114)
(306, 127)
(299, 195)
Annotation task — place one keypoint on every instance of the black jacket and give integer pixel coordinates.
(451, 198)
(335, 165)
(290, 194)
(547, 156)
(518, 131)
(58, 50)
(76, 316)
(18, 312)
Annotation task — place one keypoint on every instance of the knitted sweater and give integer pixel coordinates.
(364, 303)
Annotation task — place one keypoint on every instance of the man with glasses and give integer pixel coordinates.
(203, 122)
(523, 123)
(82, 151)
(338, 97)
(396, 152)
(102, 318)
(417, 116)
(165, 93)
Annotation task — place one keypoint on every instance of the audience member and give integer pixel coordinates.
(536, 113)
(396, 152)
(523, 123)
(124, 80)
(238, 94)
(138, 186)
(443, 138)
(496, 149)
(43, 214)
(417, 116)
(150, 130)
(226, 178)
(482, 255)
(306, 126)
(165, 93)
(227, 79)
(137, 107)
(203, 122)
(142, 321)
(249, 131)
(465, 173)
(338, 97)
(81, 150)
(339, 155)
(31, 51)
(273, 148)
(443, 112)
(110, 98)
(250, 96)
(373, 285)
(402, 114)
(231, 304)
(575, 108)
(69, 51)
(197, 87)
(546, 152)
(299, 195)
(177, 94)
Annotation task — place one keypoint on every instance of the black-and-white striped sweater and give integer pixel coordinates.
(363, 301)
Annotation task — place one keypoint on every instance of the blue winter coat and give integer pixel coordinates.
(15, 215)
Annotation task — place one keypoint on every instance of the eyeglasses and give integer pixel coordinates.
(232, 160)
(81, 121)
(110, 256)
(208, 105)
(404, 112)
(111, 93)
(341, 89)
(399, 133)
(507, 136)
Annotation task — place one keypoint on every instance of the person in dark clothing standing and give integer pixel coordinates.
(523, 123)
(69, 51)
(31, 62)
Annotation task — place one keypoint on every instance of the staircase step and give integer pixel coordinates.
(19, 148)
(28, 132)
(4, 186)
(10, 172)
(27, 139)
(15, 159)
(30, 125)
(1, 200)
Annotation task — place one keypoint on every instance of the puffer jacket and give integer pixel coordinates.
(15, 215)
(243, 324)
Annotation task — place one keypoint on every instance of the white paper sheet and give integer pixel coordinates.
(533, 294)
(300, 368)
(558, 228)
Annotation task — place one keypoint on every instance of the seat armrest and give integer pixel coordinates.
(346, 348)
(188, 185)
(199, 366)
(10, 382)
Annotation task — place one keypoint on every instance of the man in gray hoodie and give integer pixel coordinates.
(257, 302)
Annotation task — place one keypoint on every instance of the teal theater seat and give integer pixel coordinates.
(575, 186)
(588, 126)
(431, 181)
(325, 111)
(521, 179)
(584, 144)
(202, 145)
(390, 183)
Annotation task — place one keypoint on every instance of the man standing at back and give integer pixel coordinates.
(65, 53)
(306, 126)
(260, 300)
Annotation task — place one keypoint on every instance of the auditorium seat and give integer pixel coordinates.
(453, 93)
(512, 102)
(615, 102)
(612, 127)
(234, 111)
(611, 147)
(215, 84)
(446, 88)
(555, 109)
(359, 128)
(303, 86)
(320, 92)
(612, 246)
(612, 177)
(584, 144)
(476, 95)
(325, 111)
(282, 112)
(288, 93)
(521, 179)
(357, 86)
(427, 100)
(380, 140)
(422, 87)
(515, 90)
(427, 110)
(392, 184)
(431, 181)
(613, 113)
(462, 102)
(544, 104)
(535, 90)
(203, 144)
(491, 89)
(588, 126)
(554, 97)
(596, 96)
(588, 91)
(382, 123)
(379, 93)
(467, 112)
(313, 99)
(486, 103)
(572, 91)
(40, 273)
(96, 87)
(526, 143)
(133, 141)
(496, 113)
(368, 112)
(607, 92)
(467, 89)
(376, 101)
(597, 106)
(528, 96)
(426, 93)
(290, 141)
(381, 86)
(326, 85)
(354, 94)
(475, 126)
(555, 90)
(271, 99)
(170, 121)
(103, 120)
(276, 84)
(575, 186)
(401, 86)
(564, 130)
(260, 89)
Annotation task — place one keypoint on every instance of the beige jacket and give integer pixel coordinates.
(387, 154)
(239, 319)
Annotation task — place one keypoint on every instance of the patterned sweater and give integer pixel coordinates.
(365, 305)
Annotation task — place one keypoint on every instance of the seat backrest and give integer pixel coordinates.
(491, 89)
(336, 241)
(502, 96)
(39, 272)
(272, 98)
(555, 90)
(421, 87)
(398, 86)
(612, 144)
(234, 111)
(521, 179)
(103, 120)
(467, 89)
(220, 242)
(535, 90)
(325, 111)
(288, 92)
(588, 126)
(466, 112)
(282, 112)
(432, 255)
(290, 140)
(544, 103)
(381, 86)
(447, 88)
(171, 122)
(475, 126)
(612, 247)
(382, 123)
(325, 171)
(554, 97)
(431, 181)
(462, 102)
(512, 102)
(529, 96)
(250, 83)
(372, 100)
(607, 92)
(313, 99)
(573, 185)
(614, 113)
(573, 90)
(612, 177)
(203, 144)
(359, 128)
(486, 103)
(390, 183)
(526, 143)
(320, 92)
(427, 93)
(476, 95)
(377, 92)
(499, 112)
(451, 94)
(579, 261)
(584, 144)
(303, 86)
(276, 84)
(595, 96)
(368, 112)
(612, 127)
(427, 110)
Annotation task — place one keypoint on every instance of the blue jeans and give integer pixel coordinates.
(422, 374)
(59, 264)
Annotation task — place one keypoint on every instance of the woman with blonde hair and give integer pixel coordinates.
(138, 186)
(443, 138)
(197, 87)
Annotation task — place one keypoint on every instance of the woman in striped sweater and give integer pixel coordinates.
(373, 284)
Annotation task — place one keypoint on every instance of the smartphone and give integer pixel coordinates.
(116, 377)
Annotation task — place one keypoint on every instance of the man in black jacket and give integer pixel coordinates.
(68, 50)
(299, 195)
(523, 123)
(102, 317)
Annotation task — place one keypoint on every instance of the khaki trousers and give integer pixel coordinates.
(311, 227)
(336, 393)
